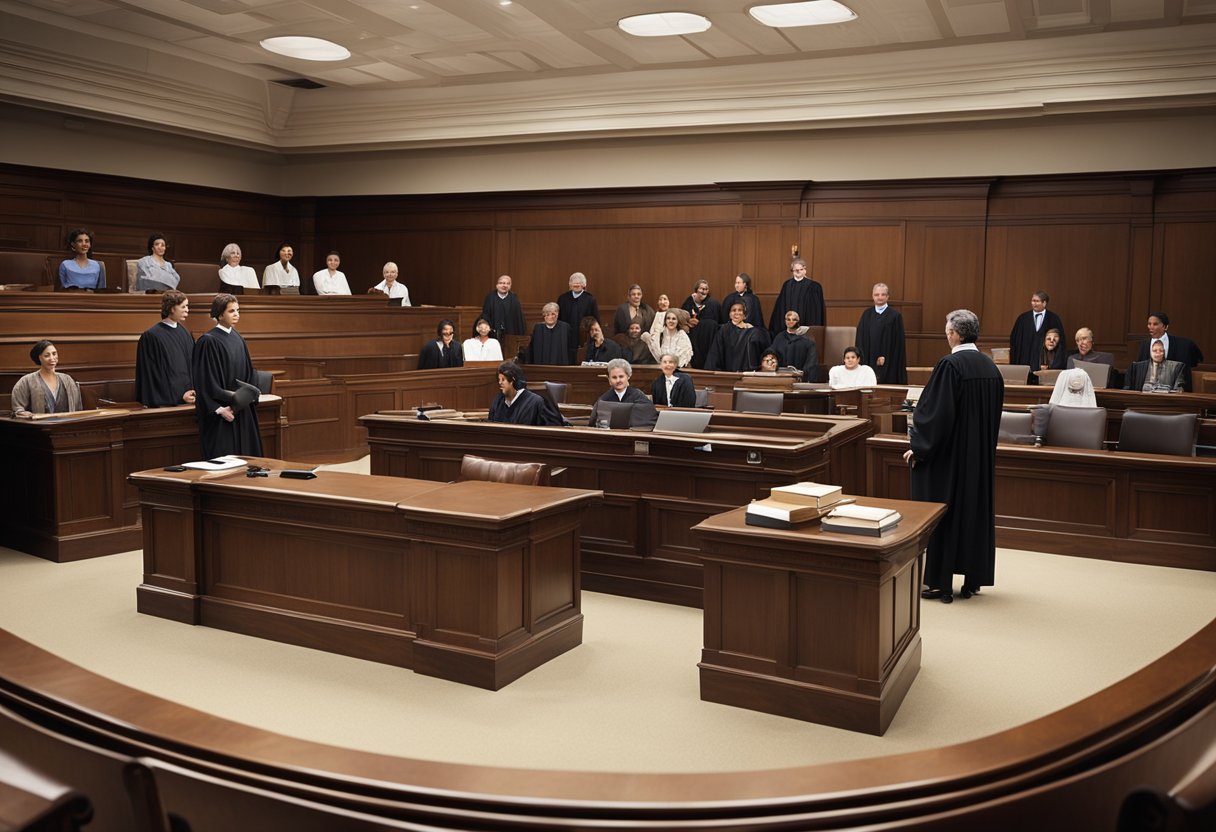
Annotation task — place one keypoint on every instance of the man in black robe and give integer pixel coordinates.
(953, 458)
(704, 318)
(796, 349)
(220, 359)
(502, 310)
(444, 351)
(801, 294)
(1029, 330)
(738, 346)
(517, 405)
(162, 357)
(575, 305)
(880, 337)
(753, 313)
(550, 342)
(1177, 348)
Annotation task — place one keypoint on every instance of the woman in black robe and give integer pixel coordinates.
(220, 359)
(517, 405)
(162, 357)
(738, 345)
(550, 342)
(444, 351)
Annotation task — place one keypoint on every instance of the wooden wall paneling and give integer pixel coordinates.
(849, 260)
(1187, 283)
(949, 268)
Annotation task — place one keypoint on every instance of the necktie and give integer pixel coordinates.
(1038, 320)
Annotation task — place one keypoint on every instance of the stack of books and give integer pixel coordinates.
(791, 505)
(855, 519)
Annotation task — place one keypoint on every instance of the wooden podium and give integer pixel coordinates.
(814, 625)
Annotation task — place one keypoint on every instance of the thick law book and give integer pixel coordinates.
(807, 494)
(855, 519)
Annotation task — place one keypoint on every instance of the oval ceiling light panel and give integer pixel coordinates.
(811, 13)
(663, 24)
(306, 49)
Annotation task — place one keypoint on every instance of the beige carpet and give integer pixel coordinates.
(1053, 630)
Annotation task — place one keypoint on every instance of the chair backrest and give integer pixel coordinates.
(264, 380)
(1076, 427)
(1017, 424)
(557, 390)
(493, 470)
(1099, 374)
(1014, 373)
(702, 399)
(755, 401)
(835, 340)
(131, 267)
(1159, 433)
(1047, 377)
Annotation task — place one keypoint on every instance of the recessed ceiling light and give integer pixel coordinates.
(810, 13)
(306, 49)
(663, 24)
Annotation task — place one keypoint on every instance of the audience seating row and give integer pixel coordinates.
(1085, 427)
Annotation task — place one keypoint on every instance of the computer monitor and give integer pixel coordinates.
(682, 421)
(617, 414)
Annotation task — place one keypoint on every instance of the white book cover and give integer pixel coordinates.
(809, 489)
(855, 512)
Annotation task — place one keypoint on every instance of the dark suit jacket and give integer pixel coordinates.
(683, 394)
(430, 357)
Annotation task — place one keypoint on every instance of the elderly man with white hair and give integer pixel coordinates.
(575, 305)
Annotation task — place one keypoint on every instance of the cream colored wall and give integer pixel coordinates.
(1072, 144)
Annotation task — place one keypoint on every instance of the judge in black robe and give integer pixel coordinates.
(1177, 348)
(801, 294)
(953, 458)
(704, 318)
(880, 338)
(753, 312)
(737, 347)
(444, 351)
(517, 405)
(219, 360)
(550, 342)
(162, 357)
(503, 311)
(643, 413)
(794, 350)
(1026, 339)
(683, 394)
(573, 308)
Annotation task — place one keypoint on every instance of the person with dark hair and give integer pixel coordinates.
(1177, 348)
(752, 311)
(738, 345)
(550, 339)
(880, 338)
(219, 361)
(801, 294)
(600, 350)
(1051, 354)
(575, 306)
(481, 347)
(770, 361)
(634, 349)
(281, 273)
(633, 309)
(162, 357)
(642, 414)
(953, 459)
(503, 310)
(45, 390)
(79, 271)
(517, 405)
(153, 273)
(852, 373)
(704, 318)
(797, 349)
(671, 338)
(671, 387)
(1029, 330)
(444, 351)
(330, 281)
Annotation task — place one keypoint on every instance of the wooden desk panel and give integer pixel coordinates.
(1139, 508)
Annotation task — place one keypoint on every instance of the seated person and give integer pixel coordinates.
(481, 347)
(634, 348)
(154, 273)
(235, 277)
(80, 272)
(391, 286)
(281, 273)
(738, 345)
(1156, 375)
(1074, 388)
(852, 373)
(1183, 350)
(770, 361)
(330, 281)
(444, 351)
(672, 387)
(599, 349)
(661, 305)
(796, 349)
(517, 405)
(550, 342)
(671, 336)
(643, 413)
(45, 390)
(633, 309)
(1051, 354)
(1085, 350)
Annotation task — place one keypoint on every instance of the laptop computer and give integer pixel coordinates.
(682, 421)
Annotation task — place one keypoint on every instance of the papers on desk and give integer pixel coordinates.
(220, 463)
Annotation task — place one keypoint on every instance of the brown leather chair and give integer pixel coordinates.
(493, 470)
(755, 401)
(1159, 433)
(1076, 427)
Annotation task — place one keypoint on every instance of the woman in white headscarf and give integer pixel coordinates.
(1074, 388)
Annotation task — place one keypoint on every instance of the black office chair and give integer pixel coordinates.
(755, 401)
(264, 380)
(1159, 433)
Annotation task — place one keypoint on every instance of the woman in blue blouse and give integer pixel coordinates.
(79, 272)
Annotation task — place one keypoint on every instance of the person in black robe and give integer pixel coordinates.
(704, 318)
(795, 349)
(550, 342)
(880, 338)
(599, 350)
(1029, 330)
(643, 413)
(220, 359)
(683, 394)
(444, 351)
(753, 313)
(575, 306)
(801, 294)
(502, 309)
(517, 405)
(162, 357)
(1183, 350)
(737, 346)
(953, 457)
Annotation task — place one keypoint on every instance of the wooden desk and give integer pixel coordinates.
(66, 496)
(474, 582)
(814, 625)
(657, 486)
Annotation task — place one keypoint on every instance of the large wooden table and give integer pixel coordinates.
(657, 486)
(814, 625)
(474, 582)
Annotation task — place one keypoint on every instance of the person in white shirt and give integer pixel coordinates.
(233, 275)
(852, 373)
(281, 273)
(330, 281)
(390, 285)
(481, 347)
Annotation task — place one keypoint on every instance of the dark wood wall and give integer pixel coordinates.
(1108, 248)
